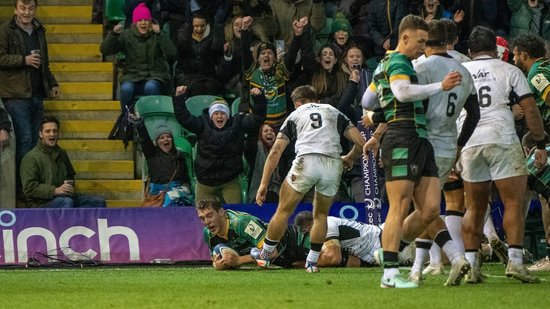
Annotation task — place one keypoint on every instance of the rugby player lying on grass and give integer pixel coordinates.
(242, 232)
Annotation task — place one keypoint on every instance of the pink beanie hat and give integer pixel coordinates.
(141, 12)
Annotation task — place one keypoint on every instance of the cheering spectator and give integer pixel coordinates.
(219, 159)
(48, 175)
(148, 53)
(198, 50)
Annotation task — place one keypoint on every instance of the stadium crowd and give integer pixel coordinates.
(357, 57)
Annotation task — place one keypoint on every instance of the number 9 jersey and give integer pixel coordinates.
(317, 128)
(496, 83)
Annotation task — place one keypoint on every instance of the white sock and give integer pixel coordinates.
(312, 257)
(421, 255)
(489, 228)
(267, 249)
(451, 251)
(515, 255)
(435, 254)
(454, 226)
(471, 257)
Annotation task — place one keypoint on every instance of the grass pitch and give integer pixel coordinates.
(202, 287)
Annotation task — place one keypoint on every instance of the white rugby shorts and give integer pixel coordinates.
(492, 162)
(317, 170)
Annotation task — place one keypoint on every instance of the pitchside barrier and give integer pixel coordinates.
(117, 235)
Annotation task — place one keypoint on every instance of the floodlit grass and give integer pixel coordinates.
(188, 287)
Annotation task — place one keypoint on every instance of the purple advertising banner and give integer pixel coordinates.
(122, 235)
(369, 167)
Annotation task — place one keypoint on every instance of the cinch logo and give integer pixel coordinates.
(104, 232)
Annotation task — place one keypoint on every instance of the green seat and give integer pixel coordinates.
(155, 104)
(235, 106)
(198, 103)
(114, 10)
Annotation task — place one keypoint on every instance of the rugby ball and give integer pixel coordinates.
(219, 249)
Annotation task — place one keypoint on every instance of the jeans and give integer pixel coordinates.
(129, 90)
(80, 201)
(26, 115)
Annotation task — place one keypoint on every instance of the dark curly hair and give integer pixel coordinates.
(532, 45)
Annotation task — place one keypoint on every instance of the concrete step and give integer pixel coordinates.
(86, 91)
(82, 71)
(86, 129)
(74, 52)
(74, 33)
(78, 105)
(97, 149)
(55, 14)
(123, 203)
(112, 189)
(83, 110)
(104, 169)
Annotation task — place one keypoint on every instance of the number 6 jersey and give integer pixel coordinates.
(443, 109)
(496, 82)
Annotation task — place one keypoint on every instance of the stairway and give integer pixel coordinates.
(85, 107)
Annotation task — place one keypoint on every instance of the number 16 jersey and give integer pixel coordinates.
(496, 82)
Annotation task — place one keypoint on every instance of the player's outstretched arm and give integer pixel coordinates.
(270, 164)
(405, 91)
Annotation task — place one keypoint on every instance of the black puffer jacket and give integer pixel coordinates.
(219, 156)
(199, 57)
(161, 165)
(380, 27)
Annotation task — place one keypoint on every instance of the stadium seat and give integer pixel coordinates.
(198, 103)
(114, 11)
(235, 106)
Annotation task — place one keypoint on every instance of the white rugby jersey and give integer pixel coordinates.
(495, 81)
(460, 57)
(444, 108)
(317, 129)
(358, 239)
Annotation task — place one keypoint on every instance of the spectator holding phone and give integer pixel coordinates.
(148, 51)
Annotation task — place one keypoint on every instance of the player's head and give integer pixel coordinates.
(482, 40)
(526, 48)
(437, 37)
(211, 213)
(413, 34)
(304, 219)
(452, 32)
(304, 94)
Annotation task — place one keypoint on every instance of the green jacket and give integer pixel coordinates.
(15, 75)
(285, 12)
(522, 16)
(147, 57)
(43, 169)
